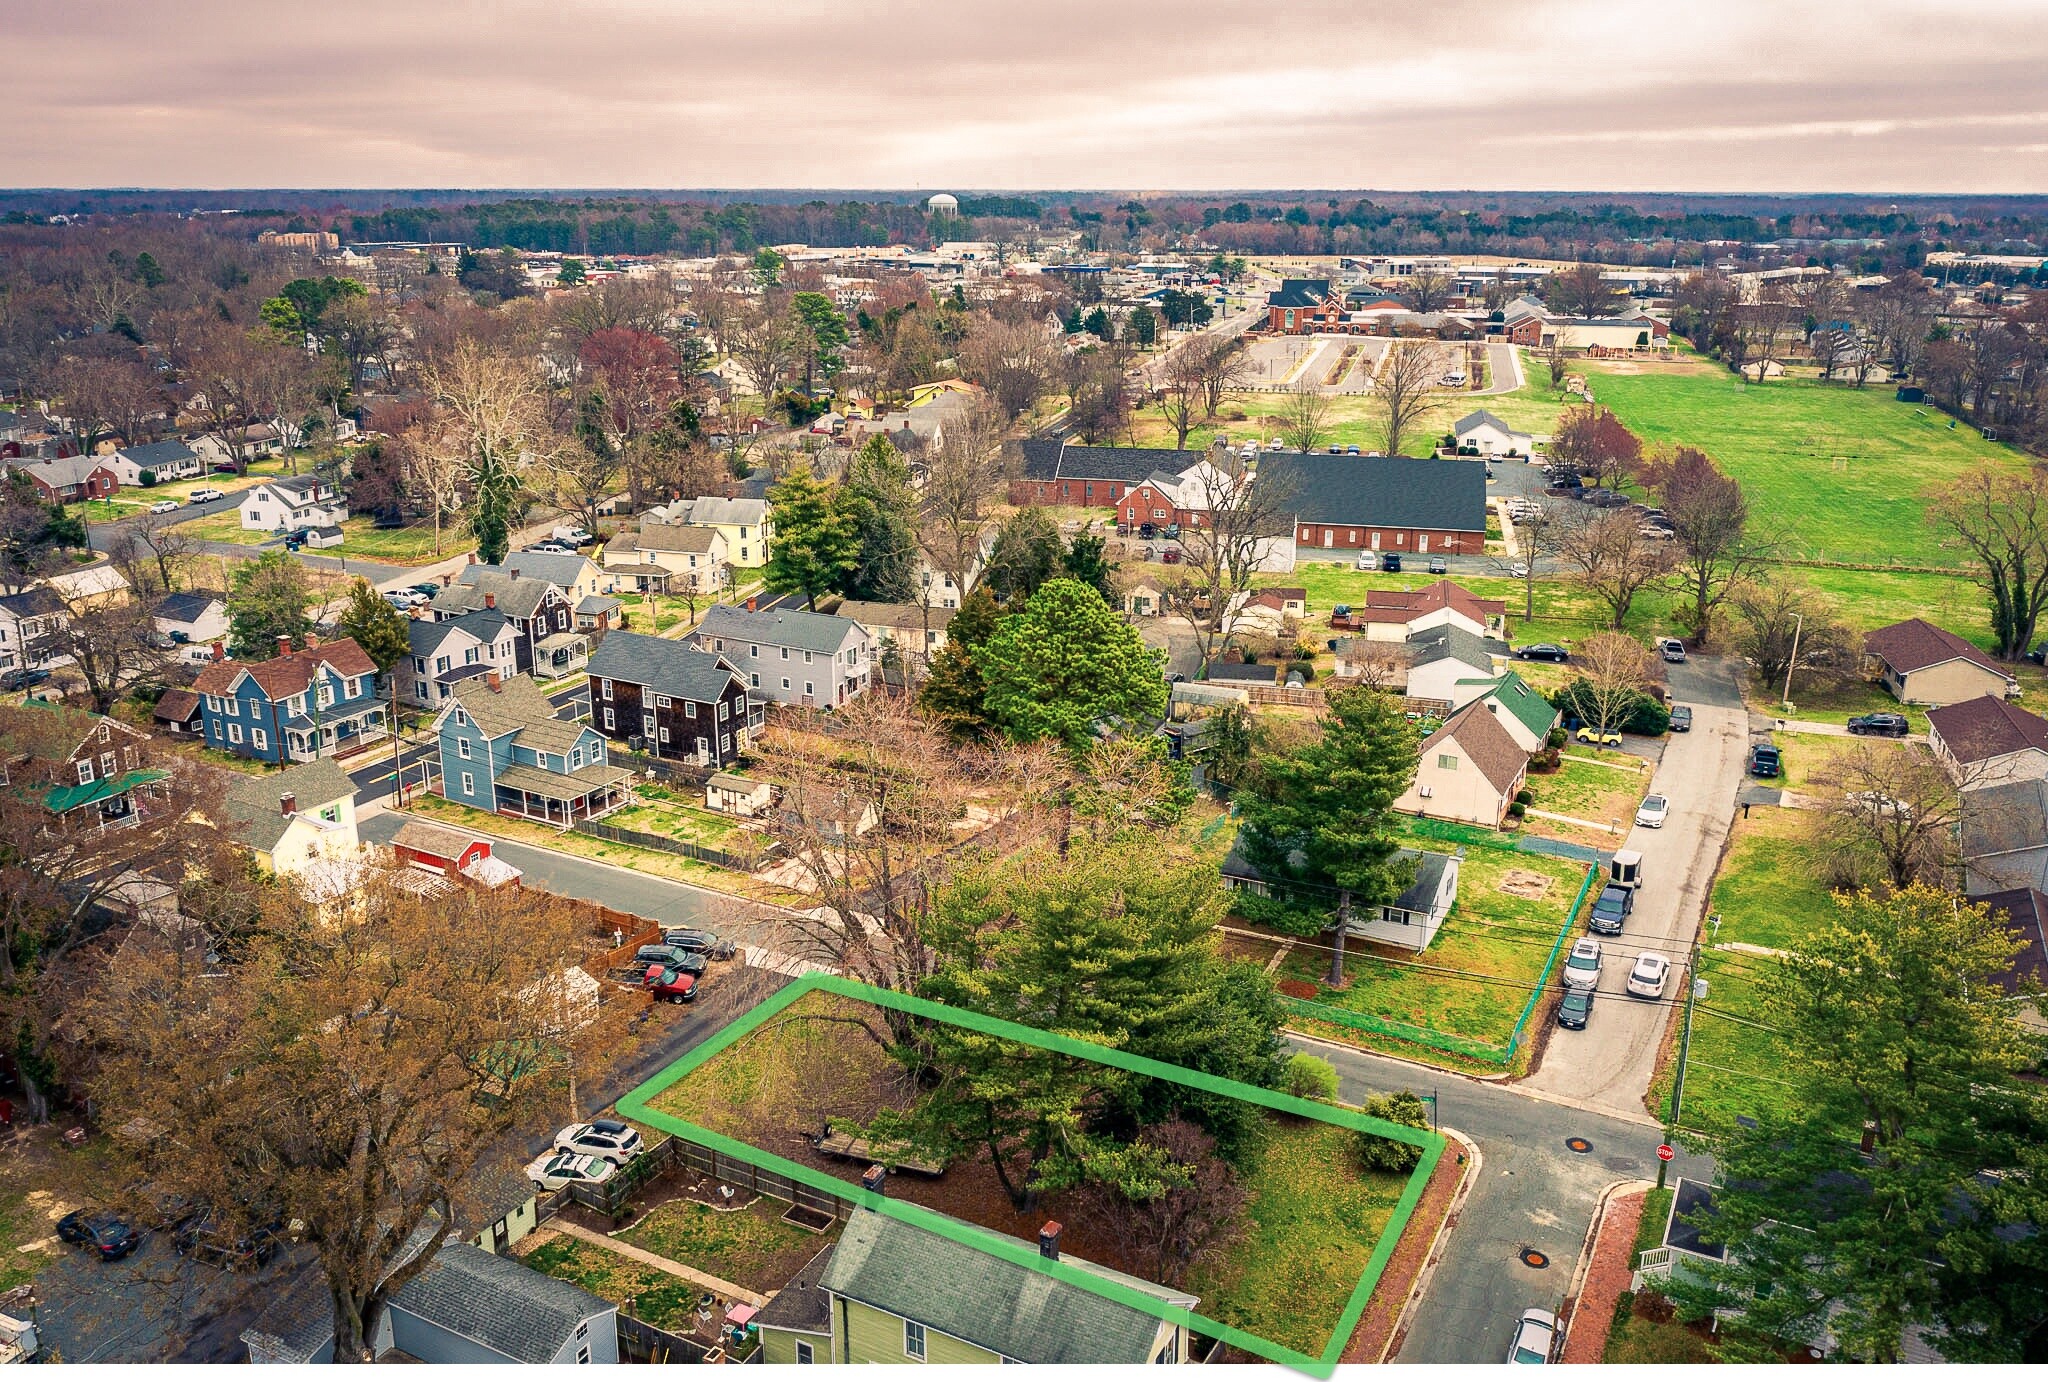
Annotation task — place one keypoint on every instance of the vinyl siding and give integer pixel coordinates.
(874, 1336)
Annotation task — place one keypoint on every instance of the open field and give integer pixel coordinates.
(362, 538)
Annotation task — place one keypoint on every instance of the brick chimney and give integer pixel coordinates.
(753, 603)
(493, 680)
(284, 644)
(219, 653)
(312, 640)
(1049, 1240)
(287, 804)
(471, 561)
(875, 1178)
(515, 573)
(490, 600)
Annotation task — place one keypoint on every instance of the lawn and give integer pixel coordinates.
(362, 538)
(1647, 1333)
(664, 1301)
(674, 815)
(1597, 785)
(751, 1247)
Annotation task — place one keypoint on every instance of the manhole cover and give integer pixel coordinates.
(1532, 1258)
(1579, 1145)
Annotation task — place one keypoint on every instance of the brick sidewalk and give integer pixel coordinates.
(1606, 1278)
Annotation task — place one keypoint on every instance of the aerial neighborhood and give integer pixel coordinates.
(980, 778)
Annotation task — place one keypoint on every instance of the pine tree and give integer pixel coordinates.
(378, 629)
(1064, 664)
(881, 502)
(815, 544)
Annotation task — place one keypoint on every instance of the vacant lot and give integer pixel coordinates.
(1597, 785)
(752, 1246)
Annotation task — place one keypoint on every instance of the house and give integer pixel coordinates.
(597, 613)
(1143, 601)
(791, 656)
(446, 652)
(179, 712)
(746, 525)
(544, 636)
(2024, 912)
(635, 578)
(1470, 770)
(1410, 920)
(468, 1305)
(894, 1293)
(676, 701)
(504, 751)
(1987, 740)
(292, 502)
(1395, 614)
(572, 573)
(103, 780)
(1342, 505)
(1921, 664)
(71, 479)
(254, 441)
(163, 460)
(1480, 433)
(291, 819)
(32, 624)
(192, 621)
(1264, 611)
(2004, 835)
(1451, 664)
(1061, 472)
(441, 850)
(1521, 709)
(90, 586)
(906, 636)
(1244, 673)
(318, 701)
(1300, 304)
(688, 558)
(1186, 499)
(738, 796)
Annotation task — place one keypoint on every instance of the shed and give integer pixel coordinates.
(736, 795)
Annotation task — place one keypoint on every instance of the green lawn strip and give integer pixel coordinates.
(647, 1293)
(743, 1246)
(1563, 612)
(1650, 1228)
(1311, 1222)
(225, 526)
(20, 1225)
(1639, 1340)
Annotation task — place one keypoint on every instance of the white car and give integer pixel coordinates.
(1518, 570)
(1879, 804)
(1582, 966)
(553, 1170)
(204, 495)
(607, 1139)
(164, 506)
(1534, 1333)
(1368, 561)
(1652, 812)
(1646, 979)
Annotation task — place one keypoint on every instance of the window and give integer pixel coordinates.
(807, 657)
(419, 664)
(440, 664)
(583, 1330)
(468, 785)
(234, 734)
(724, 710)
(754, 680)
(84, 771)
(213, 704)
(785, 654)
(609, 723)
(462, 747)
(664, 734)
(604, 688)
(575, 760)
(1447, 761)
(804, 1354)
(469, 656)
(258, 739)
(647, 725)
(331, 814)
(913, 1340)
(460, 717)
(662, 702)
(106, 763)
(106, 734)
(785, 683)
(725, 743)
(809, 688)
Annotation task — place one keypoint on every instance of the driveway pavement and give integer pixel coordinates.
(1532, 1191)
(1609, 1065)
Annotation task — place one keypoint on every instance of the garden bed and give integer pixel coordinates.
(647, 1293)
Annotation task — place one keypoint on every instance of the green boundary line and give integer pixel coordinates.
(636, 1105)
(1543, 980)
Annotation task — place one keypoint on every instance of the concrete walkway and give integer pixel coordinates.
(1833, 731)
(1603, 828)
(723, 1289)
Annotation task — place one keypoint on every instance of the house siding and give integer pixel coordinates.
(1085, 492)
(684, 720)
(834, 678)
(250, 710)
(778, 1347)
(1945, 683)
(1462, 793)
(875, 1336)
(1311, 538)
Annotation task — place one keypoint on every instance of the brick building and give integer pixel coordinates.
(1061, 472)
(1413, 506)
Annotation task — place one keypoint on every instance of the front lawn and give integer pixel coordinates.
(1597, 785)
(647, 1293)
(361, 538)
(752, 1247)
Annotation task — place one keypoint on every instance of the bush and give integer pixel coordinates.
(1517, 810)
(1383, 1154)
(148, 479)
(1557, 738)
(1309, 1077)
(1525, 797)
(1646, 714)
(1306, 669)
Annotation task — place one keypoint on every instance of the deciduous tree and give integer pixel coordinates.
(2000, 517)
(1710, 528)
(1407, 390)
(1304, 417)
(1611, 557)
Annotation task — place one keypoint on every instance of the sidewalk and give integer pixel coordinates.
(1607, 1275)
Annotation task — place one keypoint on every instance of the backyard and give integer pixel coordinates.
(751, 1245)
(646, 1292)
(361, 538)
(1597, 785)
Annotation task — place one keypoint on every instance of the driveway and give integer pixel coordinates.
(153, 1307)
(1532, 1191)
(1609, 1065)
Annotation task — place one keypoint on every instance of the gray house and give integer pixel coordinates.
(1410, 920)
(791, 656)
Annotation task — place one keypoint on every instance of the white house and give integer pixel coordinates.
(1410, 920)
(192, 621)
(297, 818)
(164, 460)
(1469, 770)
(293, 501)
(1485, 434)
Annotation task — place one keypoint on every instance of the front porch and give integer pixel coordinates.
(561, 799)
(559, 654)
(333, 735)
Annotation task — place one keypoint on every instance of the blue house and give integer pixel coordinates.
(298, 706)
(503, 751)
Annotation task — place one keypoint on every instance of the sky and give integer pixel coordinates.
(1646, 95)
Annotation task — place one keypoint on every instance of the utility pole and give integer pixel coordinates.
(1697, 989)
(1798, 627)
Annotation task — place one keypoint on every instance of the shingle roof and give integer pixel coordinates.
(1492, 750)
(253, 815)
(662, 537)
(425, 636)
(556, 568)
(35, 601)
(285, 676)
(1299, 292)
(716, 508)
(519, 597)
(185, 606)
(1450, 641)
(63, 471)
(298, 488)
(1432, 597)
(431, 837)
(1383, 491)
(151, 455)
(1131, 465)
(1416, 897)
(789, 628)
(177, 706)
(1524, 702)
(1913, 644)
(498, 1302)
(872, 614)
(2026, 918)
(518, 707)
(802, 1306)
(298, 1323)
(1477, 418)
(1016, 1311)
(1987, 727)
(2006, 818)
(487, 625)
(1265, 674)
(670, 667)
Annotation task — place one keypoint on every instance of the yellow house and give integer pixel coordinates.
(291, 819)
(746, 525)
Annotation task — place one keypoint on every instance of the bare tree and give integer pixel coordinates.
(1304, 416)
(1821, 301)
(359, 328)
(1429, 290)
(1016, 361)
(225, 370)
(150, 550)
(1710, 527)
(1239, 522)
(1225, 367)
(1536, 540)
(112, 644)
(2000, 517)
(1891, 806)
(1179, 395)
(1580, 291)
(764, 339)
(1898, 321)
(434, 463)
(1611, 556)
(960, 479)
(1616, 670)
(1783, 629)
(1761, 325)
(1405, 391)
(101, 393)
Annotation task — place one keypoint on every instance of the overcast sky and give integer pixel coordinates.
(1736, 95)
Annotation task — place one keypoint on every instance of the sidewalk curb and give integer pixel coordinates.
(1585, 1265)
(1474, 1159)
(1501, 1081)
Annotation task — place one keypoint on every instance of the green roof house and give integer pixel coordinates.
(1521, 709)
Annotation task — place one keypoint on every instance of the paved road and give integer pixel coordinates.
(1610, 1063)
(1531, 1192)
(372, 772)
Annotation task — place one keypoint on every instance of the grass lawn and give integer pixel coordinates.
(1650, 1228)
(749, 1247)
(1562, 612)
(669, 817)
(1594, 785)
(225, 526)
(662, 614)
(664, 1301)
(362, 538)
(1646, 1335)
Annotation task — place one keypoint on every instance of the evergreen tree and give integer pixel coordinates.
(1064, 664)
(1026, 554)
(953, 689)
(267, 600)
(815, 542)
(378, 629)
(880, 503)
(1099, 325)
(1083, 562)
(1142, 326)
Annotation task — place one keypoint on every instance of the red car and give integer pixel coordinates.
(674, 985)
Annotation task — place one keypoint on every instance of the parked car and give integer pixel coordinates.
(1543, 652)
(670, 984)
(607, 1139)
(1646, 978)
(1582, 966)
(428, 588)
(574, 536)
(1391, 562)
(1368, 561)
(1575, 1009)
(553, 1170)
(1879, 804)
(400, 600)
(1671, 650)
(211, 1239)
(1146, 530)
(1351, 450)
(1535, 1330)
(1885, 723)
(1438, 566)
(674, 956)
(689, 939)
(1611, 909)
(206, 494)
(1336, 449)
(110, 1236)
(1681, 719)
(1591, 734)
(1653, 811)
(1764, 761)
(553, 548)
(164, 506)
(1519, 569)
(22, 678)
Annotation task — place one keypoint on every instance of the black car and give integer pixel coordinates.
(1885, 723)
(1390, 561)
(1610, 909)
(1681, 719)
(1147, 530)
(689, 939)
(106, 1233)
(673, 956)
(1575, 1009)
(1543, 652)
(1765, 762)
(211, 1238)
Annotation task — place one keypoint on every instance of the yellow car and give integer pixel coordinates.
(1589, 735)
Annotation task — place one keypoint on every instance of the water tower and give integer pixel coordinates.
(943, 204)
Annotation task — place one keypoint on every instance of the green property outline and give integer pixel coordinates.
(636, 1105)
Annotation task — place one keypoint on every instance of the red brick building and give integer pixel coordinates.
(1414, 506)
(1064, 472)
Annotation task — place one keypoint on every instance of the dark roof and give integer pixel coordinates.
(1490, 747)
(1987, 727)
(286, 676)
(300, 488)
(1432, 597)
(1691, 1200)
(156, 453)
(498, 1302)
(782, 628)
(486, 624)
(1417, 897)
(425, 636)
(802, 1305)
(177, 706)
(519, 597)
(670, 667)
(1479, 417)
(28, 604)
(2025, 912)
(186, 606)
(1264, 674)
(1017, 1311)
(1449, 640)
(298, 1323)
(1299, 292)
(2004, 818)
(1131, 465)
(556, 568)
(1381, 491)
(1913, 644)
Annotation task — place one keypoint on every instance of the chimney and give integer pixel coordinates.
(471, 561)
(287, 804)
(493, 680)
(284, 645)
(874, 1178)
(753, 603)
(312, 640)
(1049, 1240)
(219, 653)
(515, 573)
(490, 600)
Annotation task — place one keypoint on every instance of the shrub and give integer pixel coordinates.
(1383, 1154)
(1525, 797)
(1646, 713)
(1307, 670)
(1517, 810)
(1557, 738)
(1309, 1077)
(148, 479)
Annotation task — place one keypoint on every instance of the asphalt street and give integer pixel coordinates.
(1609, 1065)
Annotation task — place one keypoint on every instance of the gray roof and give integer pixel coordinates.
(873, 614)
(1449, 640)
(1299, 292)
(598, 604)
(1419, 896)
(556, 568)
(150, 455)
(2005, 819)
(28, 604)
(1380, 491)
(520, 596)
(64, 470)
(802, 1306)
(670, 667)
(715, 508)
(185, 606)
(1017, 1311)
(1131, 465)
(487, 625)
(427, 635)
(252, 803)
(519, 708)
(300, 487)
(1479, 417)
(664, 537)
(782, 628)
(298, 1323)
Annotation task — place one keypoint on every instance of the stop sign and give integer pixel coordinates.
(1665, 1151)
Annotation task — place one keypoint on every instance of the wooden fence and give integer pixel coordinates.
(641, 1342)
(746, 862)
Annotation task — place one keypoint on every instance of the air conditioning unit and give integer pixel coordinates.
(1425, 790)
(637, 743)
